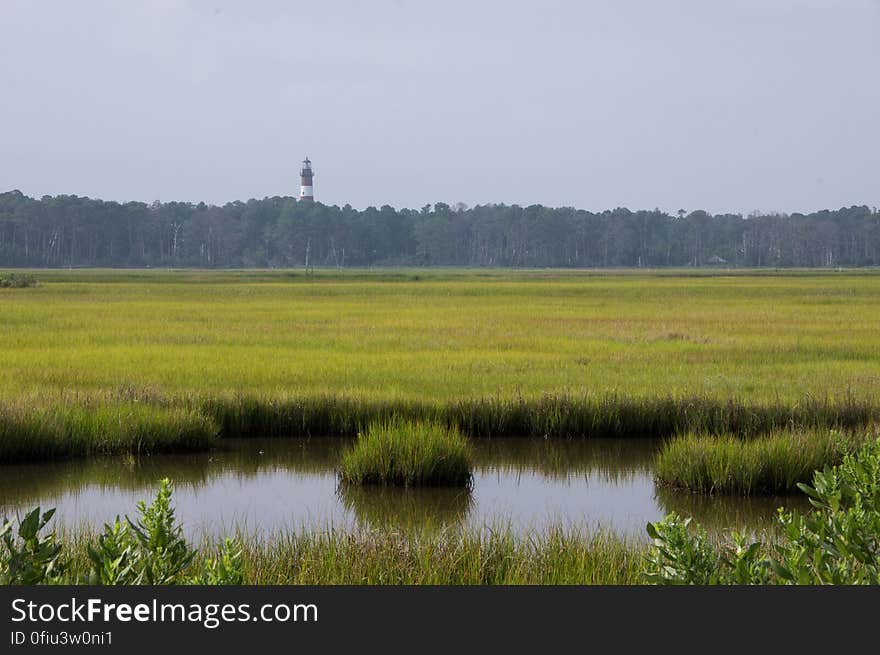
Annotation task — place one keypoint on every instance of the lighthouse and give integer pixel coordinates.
(306, 190)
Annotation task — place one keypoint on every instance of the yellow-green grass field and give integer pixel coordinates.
(443, 335)
(641, 343)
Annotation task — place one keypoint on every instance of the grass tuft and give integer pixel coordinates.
(770, 464)
(407, 454)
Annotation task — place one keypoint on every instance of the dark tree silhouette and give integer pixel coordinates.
(65, 231)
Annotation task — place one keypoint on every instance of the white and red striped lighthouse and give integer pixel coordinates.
(306, 190)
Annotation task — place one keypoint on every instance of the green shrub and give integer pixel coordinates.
(17, 280)
(161, 554)
(837, 543)
(226, 567)
(152, 550)
(111, 558)
(682, 555)
(408, 453)
(28, 558)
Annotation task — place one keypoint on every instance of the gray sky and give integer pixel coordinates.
(727, 105)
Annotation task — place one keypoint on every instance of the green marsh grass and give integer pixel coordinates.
(566, 415)
(532, 353)
(772, 464)
(393, 557)
(496, 558)
(132, 421)
(66, 429)
(408, 454)
(447, 336)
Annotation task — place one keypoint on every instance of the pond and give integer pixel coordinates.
(263, 486)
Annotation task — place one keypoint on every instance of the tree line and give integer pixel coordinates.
(61, 231)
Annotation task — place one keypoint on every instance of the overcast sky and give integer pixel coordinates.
(727, 105)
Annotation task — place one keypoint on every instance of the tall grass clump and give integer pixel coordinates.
(770, 464)
(408, 453)
(29, 433)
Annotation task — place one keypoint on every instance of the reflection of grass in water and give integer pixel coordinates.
(717, 513)
(24, 484)
(31, 483)
(614, 460)
(391, 507)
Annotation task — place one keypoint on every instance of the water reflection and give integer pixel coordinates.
(614, 460)
(282, 484)
(717, 513)
(21, 484)
(384, 507)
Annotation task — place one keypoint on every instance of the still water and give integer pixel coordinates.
(268, 485)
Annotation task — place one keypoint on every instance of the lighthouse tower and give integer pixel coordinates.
(306, 190)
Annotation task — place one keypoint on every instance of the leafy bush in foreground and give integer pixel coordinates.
(837, 543)
(30, 558)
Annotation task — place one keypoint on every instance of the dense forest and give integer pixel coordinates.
(282, 232)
